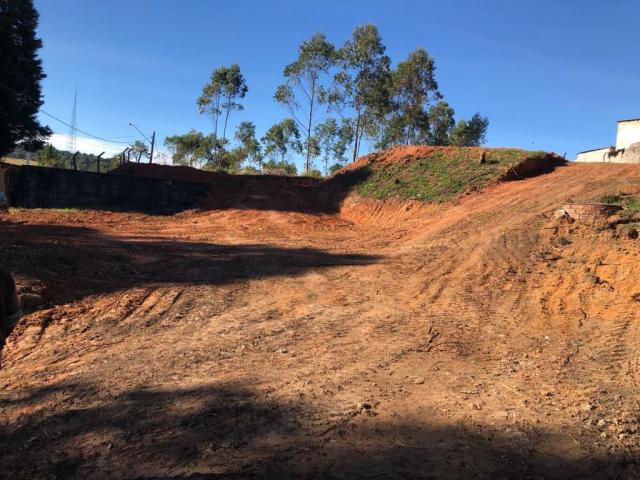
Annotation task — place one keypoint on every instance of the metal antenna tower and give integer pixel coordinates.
(71, 140)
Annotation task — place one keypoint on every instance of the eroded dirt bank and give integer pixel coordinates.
(481, 339)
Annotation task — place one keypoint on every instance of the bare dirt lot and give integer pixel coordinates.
(476, 339)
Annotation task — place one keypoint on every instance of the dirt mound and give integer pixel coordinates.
(169, 172)
(438, 174)
(407, 153)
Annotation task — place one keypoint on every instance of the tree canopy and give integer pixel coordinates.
(303, 84)
(20, 76)
(360, 91)
(333, 140)
(336, 98)
(472, 133)
(412, 88)
(281, 139)
(222, 94)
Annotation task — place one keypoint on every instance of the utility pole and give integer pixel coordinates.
(153, 142)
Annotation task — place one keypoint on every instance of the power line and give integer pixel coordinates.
(65, 123)
(82, 131)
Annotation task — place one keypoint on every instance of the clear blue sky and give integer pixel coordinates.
(549, 74)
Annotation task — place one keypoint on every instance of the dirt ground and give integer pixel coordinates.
(478, 339)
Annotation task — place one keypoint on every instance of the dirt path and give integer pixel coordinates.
(466, 341)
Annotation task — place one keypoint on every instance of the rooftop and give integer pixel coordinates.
(629, 120)
(594, 150)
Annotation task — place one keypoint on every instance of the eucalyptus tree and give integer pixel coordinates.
(209, 102)
(249, 147)
(190, 149)
(221, 95)
(235, 88)
(304, 85)
(441, 123)
(282, 138)
(332, 140)
(412, 90)
(360, 90)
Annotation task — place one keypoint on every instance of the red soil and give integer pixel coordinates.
(476, 339)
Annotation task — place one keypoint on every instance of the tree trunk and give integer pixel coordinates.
(355, 138)
(226, 119)
(215, 126)
(313, 94)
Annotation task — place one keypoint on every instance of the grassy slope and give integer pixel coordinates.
(629, 202)
(437, 174)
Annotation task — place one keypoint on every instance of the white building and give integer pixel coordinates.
(626, 149)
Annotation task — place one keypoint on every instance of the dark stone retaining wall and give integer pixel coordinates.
(40, 187)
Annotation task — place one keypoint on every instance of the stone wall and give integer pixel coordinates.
(632, 154)
(40, 187)
(587, 211)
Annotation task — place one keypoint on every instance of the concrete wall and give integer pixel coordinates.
(594, 156)
(628, 133)
(40, 187)
(632, 154)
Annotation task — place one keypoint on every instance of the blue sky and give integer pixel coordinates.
(552, 75)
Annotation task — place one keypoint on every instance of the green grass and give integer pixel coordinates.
(629, 202)
(441, 175)
(13, 210)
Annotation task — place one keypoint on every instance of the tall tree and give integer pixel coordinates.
(221, 95)
(20, 77)
(304, 84)
(234, 89)
(332, 140)
(282, 138)
(441, 123)
(472, 133)
(249, 147)
(361, 85)
(413, 88)
(209, 102)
